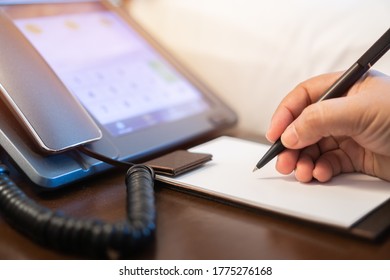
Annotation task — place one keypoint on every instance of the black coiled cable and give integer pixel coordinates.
(90, 237)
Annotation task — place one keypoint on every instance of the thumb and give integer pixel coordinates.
(336, 117)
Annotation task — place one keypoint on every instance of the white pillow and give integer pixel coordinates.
(252, 52)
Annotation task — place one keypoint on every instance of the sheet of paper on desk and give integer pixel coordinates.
(340, 202)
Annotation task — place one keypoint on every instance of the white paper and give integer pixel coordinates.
(340, 202)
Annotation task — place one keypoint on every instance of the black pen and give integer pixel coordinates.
(341, 86)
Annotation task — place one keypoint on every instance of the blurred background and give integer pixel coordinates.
(253, 52)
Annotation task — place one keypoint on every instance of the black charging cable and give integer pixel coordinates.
(91, 237)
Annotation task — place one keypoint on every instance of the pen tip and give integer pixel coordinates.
(255, 169)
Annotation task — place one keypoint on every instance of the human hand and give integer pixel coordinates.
(340, 135)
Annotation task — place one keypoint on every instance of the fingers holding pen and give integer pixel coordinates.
(302, 162)
(306, 128)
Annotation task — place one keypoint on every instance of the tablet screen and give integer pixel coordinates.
(123, 82)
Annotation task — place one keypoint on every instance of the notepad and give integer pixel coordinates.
(342, 202)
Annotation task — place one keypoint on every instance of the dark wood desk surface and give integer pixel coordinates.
(190, 227)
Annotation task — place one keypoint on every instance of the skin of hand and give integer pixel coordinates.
(340, 135)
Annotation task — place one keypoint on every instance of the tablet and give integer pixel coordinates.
(143, 100)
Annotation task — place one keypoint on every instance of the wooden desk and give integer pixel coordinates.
(190, 227)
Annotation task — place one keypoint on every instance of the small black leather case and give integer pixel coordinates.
(178, 162)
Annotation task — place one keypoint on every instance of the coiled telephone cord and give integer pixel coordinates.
(91, 237)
